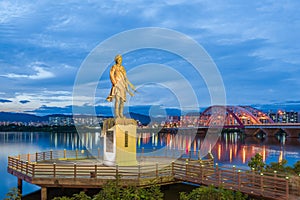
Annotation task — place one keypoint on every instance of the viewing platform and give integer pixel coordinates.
(79, 169)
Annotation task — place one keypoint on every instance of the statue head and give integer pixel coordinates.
(118, 58)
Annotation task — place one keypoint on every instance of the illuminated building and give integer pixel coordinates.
(284, 117)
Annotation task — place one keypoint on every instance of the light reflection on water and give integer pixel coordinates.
(230, 149)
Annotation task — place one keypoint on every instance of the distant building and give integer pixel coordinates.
(61, 121)
(190, 120)
(284, 116)
(87, 120)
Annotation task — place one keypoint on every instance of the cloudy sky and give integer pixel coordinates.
(44, 44)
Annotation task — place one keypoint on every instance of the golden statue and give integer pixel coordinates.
(119, 87)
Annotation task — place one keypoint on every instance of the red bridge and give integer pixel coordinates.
(249, 119)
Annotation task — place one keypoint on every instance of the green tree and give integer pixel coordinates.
(277, 166)
(81, 196)
(297, 167)
(257, 163)
(211, 193)
(110, 191)
(62, 198)
(13, 194)
(129, 193)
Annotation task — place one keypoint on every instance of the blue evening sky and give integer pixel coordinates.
(255, 45)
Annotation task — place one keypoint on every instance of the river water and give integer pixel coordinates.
(229, 149)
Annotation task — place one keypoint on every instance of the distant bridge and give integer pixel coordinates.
(288, 130)
(245, 118)
(251, 120)
(233, 116)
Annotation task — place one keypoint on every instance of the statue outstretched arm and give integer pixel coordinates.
(131, 85)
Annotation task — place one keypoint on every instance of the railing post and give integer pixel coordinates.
(51, 154)
(218, 174)
(275, 182)
(156, 170)
(21, 163)
(44, 155)
(95, 170)
(76, 154)
(36, 156)
(26, 167)
(275, 174)
(117, 174)
(17, 164)
(28, 157)
(54, 170)
(75, 170)
(234, 173)
(33, 170)
(287, 187)
(173, 173)
(261, 183)
(186, 168)
(202, 175)
(139, 173)
(65, 153)
(253, 173)
(239, 180)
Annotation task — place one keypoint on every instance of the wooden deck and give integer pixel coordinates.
(75, 169)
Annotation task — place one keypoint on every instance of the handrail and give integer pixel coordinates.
(271, 185)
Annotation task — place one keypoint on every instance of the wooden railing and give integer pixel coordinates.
(270, 185)
(234, 179)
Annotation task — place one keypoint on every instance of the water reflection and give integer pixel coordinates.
(231, 148)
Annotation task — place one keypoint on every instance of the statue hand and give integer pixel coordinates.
(131, 94)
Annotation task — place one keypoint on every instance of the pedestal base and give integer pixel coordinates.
(119, 142)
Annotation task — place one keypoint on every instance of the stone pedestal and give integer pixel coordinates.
(119, 142)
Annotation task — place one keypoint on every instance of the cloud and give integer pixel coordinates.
(49, 97)
(40, 74)
(254, 45)
(5, 101)
(45, 110)
(24, 101)
(10, 10)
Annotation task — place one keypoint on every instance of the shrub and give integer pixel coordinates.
(211, 193)
(13, 194)
(257, 163)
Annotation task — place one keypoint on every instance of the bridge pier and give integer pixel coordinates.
(250, 132)
(20, 186)
(292, 133)
(271, 132)
(43, 193)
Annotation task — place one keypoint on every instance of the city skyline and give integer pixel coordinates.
(43, 44)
